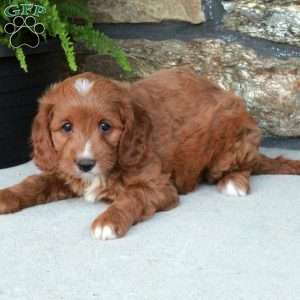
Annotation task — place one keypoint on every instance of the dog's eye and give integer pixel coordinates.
(67, 127)
(104, 126)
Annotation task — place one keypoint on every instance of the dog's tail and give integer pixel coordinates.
(278, 165)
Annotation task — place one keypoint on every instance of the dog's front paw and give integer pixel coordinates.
(110, 225)
(104, 232)
(9, 203)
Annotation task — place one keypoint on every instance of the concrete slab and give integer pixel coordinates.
(211, 247)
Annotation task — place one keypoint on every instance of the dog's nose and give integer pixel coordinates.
(86, 165)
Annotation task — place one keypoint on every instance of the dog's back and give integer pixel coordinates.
(194, 121)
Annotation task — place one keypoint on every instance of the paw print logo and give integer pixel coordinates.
(24, 32)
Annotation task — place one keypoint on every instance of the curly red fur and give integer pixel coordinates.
(166, 134)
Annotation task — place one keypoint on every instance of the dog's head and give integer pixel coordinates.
(88, 125)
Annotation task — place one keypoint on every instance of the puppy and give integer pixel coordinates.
(137, 146)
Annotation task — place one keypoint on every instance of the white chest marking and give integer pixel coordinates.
(90, 193)
(83, 85)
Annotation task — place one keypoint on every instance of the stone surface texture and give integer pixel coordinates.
(276, 20)
(270, 87)
(140, 11)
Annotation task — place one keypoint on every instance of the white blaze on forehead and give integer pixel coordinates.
(87, 151)
(83, 85)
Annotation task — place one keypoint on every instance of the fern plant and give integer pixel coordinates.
(70, 21)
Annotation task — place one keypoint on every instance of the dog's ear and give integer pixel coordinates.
(134, 139)
(44, 154)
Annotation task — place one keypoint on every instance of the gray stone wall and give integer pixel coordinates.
(139, 11)
(275, 20)
(249, 46)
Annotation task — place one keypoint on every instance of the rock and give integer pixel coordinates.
(139, 11)
(270, 87)
(276, 20)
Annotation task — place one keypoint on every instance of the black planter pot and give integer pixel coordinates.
(19, 92)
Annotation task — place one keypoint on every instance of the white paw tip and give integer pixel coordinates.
(231, 189)
(104, 233)
(90, 197)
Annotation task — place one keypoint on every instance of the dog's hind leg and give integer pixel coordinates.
(278, 165)
(235, 183)
(190, 162)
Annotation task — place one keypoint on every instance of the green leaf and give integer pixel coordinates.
(72, 9)
(57, 28)
(21, 58)
(58, 24)
(99, 42)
